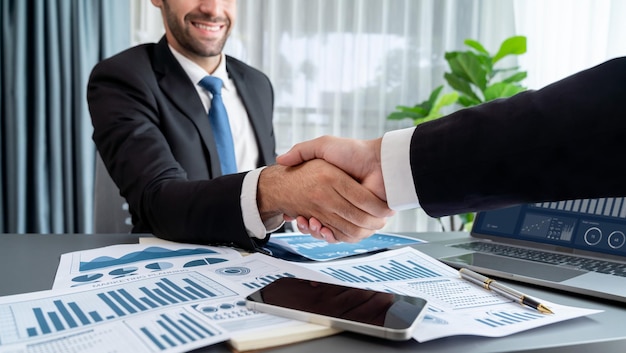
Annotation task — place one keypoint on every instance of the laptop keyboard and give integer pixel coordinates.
(582, 263)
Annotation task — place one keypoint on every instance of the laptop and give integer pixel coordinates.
(577, 246)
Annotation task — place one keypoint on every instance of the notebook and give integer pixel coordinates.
(577, 246)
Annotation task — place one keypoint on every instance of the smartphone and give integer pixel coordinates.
(369, 312)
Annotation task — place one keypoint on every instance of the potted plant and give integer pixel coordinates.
(474, 79)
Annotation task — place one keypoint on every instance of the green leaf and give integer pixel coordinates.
(466, 217)
(515, 45)
(502, 90)
(460, 85)
(476, 45)
(468, 66)
(430, 117)
(485, 62)
(468, 221)
(419, 114)
(403, 115)
(418, 109)
(501, 70)
(517, 77)
(445, 100)
(468, 102)
(452, 59)
(412, 110)
(433, 97)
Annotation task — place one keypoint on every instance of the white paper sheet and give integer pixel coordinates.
(456, 307)
(137, 306)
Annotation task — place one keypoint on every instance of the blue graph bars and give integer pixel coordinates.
(169, 331)
(43, 324)
(502, 318)
(67, 313)
(264, 280)
(394, 270)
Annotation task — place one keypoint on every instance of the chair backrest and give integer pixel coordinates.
(110, 214)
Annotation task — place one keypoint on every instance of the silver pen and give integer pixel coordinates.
(503, 290)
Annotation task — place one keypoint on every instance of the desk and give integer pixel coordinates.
(29, 263)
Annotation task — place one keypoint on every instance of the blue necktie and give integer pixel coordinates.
(221, 128)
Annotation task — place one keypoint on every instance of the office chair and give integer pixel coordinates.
(110, 214)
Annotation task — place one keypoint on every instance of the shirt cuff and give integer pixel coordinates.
(395, 153)
(250, 210)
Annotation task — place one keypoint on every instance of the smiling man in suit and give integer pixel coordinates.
(149, 111)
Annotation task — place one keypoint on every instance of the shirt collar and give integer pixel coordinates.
(197, 73)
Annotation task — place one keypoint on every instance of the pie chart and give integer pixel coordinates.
(162, 265)
(203, 262)
(123, 271)
(87, 278)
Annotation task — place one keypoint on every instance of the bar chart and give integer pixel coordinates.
(387, 270)
(495, 319)
(174, 328)
(169, 330)
(61, 313)
(261, 281)
(608, 207)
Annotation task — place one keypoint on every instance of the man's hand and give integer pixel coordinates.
(359, 158)
(318, 190)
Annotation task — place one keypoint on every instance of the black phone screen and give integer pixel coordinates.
(354, 304)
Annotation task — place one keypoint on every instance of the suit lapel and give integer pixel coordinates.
(175, 84)
(250, 100)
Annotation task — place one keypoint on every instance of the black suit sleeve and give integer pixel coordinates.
(565, 141)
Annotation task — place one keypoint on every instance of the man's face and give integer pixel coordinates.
(198, 28)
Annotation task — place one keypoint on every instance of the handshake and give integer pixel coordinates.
(342, 190)
(333, 187)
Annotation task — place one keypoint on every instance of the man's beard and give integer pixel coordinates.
(199, 48)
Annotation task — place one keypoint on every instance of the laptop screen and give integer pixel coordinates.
(597, 225)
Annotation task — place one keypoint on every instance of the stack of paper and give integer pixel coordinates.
(176, 297)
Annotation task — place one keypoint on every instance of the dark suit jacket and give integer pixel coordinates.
(565, 141)
(153, 134)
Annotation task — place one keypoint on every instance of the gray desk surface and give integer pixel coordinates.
(37, 257)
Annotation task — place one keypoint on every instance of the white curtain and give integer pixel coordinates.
(339, 67)
(566, 36)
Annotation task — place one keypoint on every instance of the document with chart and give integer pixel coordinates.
(282, 245)
(105, 266)
(96, 267)
(145, 307)
(153, 313)
(456, 306)
(139, 303)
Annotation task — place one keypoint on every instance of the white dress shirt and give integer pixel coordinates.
(246, 148)
(395, 153)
